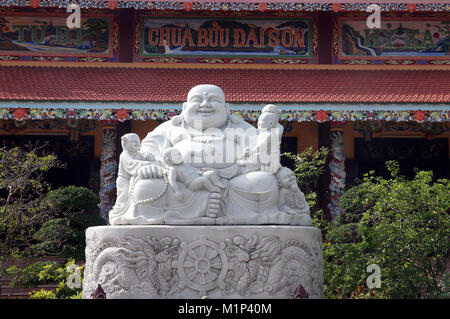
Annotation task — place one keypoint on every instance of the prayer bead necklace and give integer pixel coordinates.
(151, 199)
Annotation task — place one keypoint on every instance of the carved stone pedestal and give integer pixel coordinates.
(194, 261)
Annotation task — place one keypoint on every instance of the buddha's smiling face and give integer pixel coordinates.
(205, 107)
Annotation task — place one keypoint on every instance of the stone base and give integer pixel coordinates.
(159, 261)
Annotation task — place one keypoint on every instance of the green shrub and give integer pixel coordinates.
(309, 165)
(444, 292)
(355, 201)
(71, 199)
(74, 209)
(81, 221)
(401, 225)
(29, 276)
(346, 233)
(42, 294)
(56, 230)
(56, 237)
(70, 280)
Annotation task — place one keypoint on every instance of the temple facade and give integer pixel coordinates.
(369, 94)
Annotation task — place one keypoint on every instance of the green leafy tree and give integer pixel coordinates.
(308, 166)
(29, 275)
(22, 186)
(401, 225)
(73, 210)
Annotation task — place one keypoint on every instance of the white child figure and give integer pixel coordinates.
(271, 108)
(130, 161)
(266, 153)
(177, 170)
(291, 199)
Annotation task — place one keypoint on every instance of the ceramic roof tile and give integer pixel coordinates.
(246, 86)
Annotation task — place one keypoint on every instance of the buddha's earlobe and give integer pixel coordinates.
(233, 118)
(177, 119)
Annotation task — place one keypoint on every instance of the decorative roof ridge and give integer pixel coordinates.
(115, 65)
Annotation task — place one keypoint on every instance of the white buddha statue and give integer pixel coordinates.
(212, 142)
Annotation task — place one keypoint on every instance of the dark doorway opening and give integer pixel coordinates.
(411, 153)
(77, 155)
(288, 145)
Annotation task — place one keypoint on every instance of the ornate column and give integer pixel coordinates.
(337, 167)
(108, 169)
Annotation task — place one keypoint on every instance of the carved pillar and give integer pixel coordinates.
(108, 169)
(337, 167)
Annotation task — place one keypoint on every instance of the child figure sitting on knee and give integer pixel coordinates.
(185, 173)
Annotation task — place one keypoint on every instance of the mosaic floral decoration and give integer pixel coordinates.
(248, 115)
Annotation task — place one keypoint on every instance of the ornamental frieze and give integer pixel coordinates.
(320, 116)
(238, 265)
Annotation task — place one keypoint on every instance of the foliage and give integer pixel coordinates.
(401, 225)
(74, 209)
(70, 282)
(444, 293)
(309, 165)
(29, 275)
(55, 230)
(43, 294)
(35, 220)
(56, 237)
(70, 199)
(22, 187)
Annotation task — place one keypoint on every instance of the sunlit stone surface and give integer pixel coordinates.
(206, 173)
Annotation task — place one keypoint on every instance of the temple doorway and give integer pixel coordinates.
(78, 156)
(411, 153)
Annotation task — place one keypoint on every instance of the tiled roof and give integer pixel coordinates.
(28, 83)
